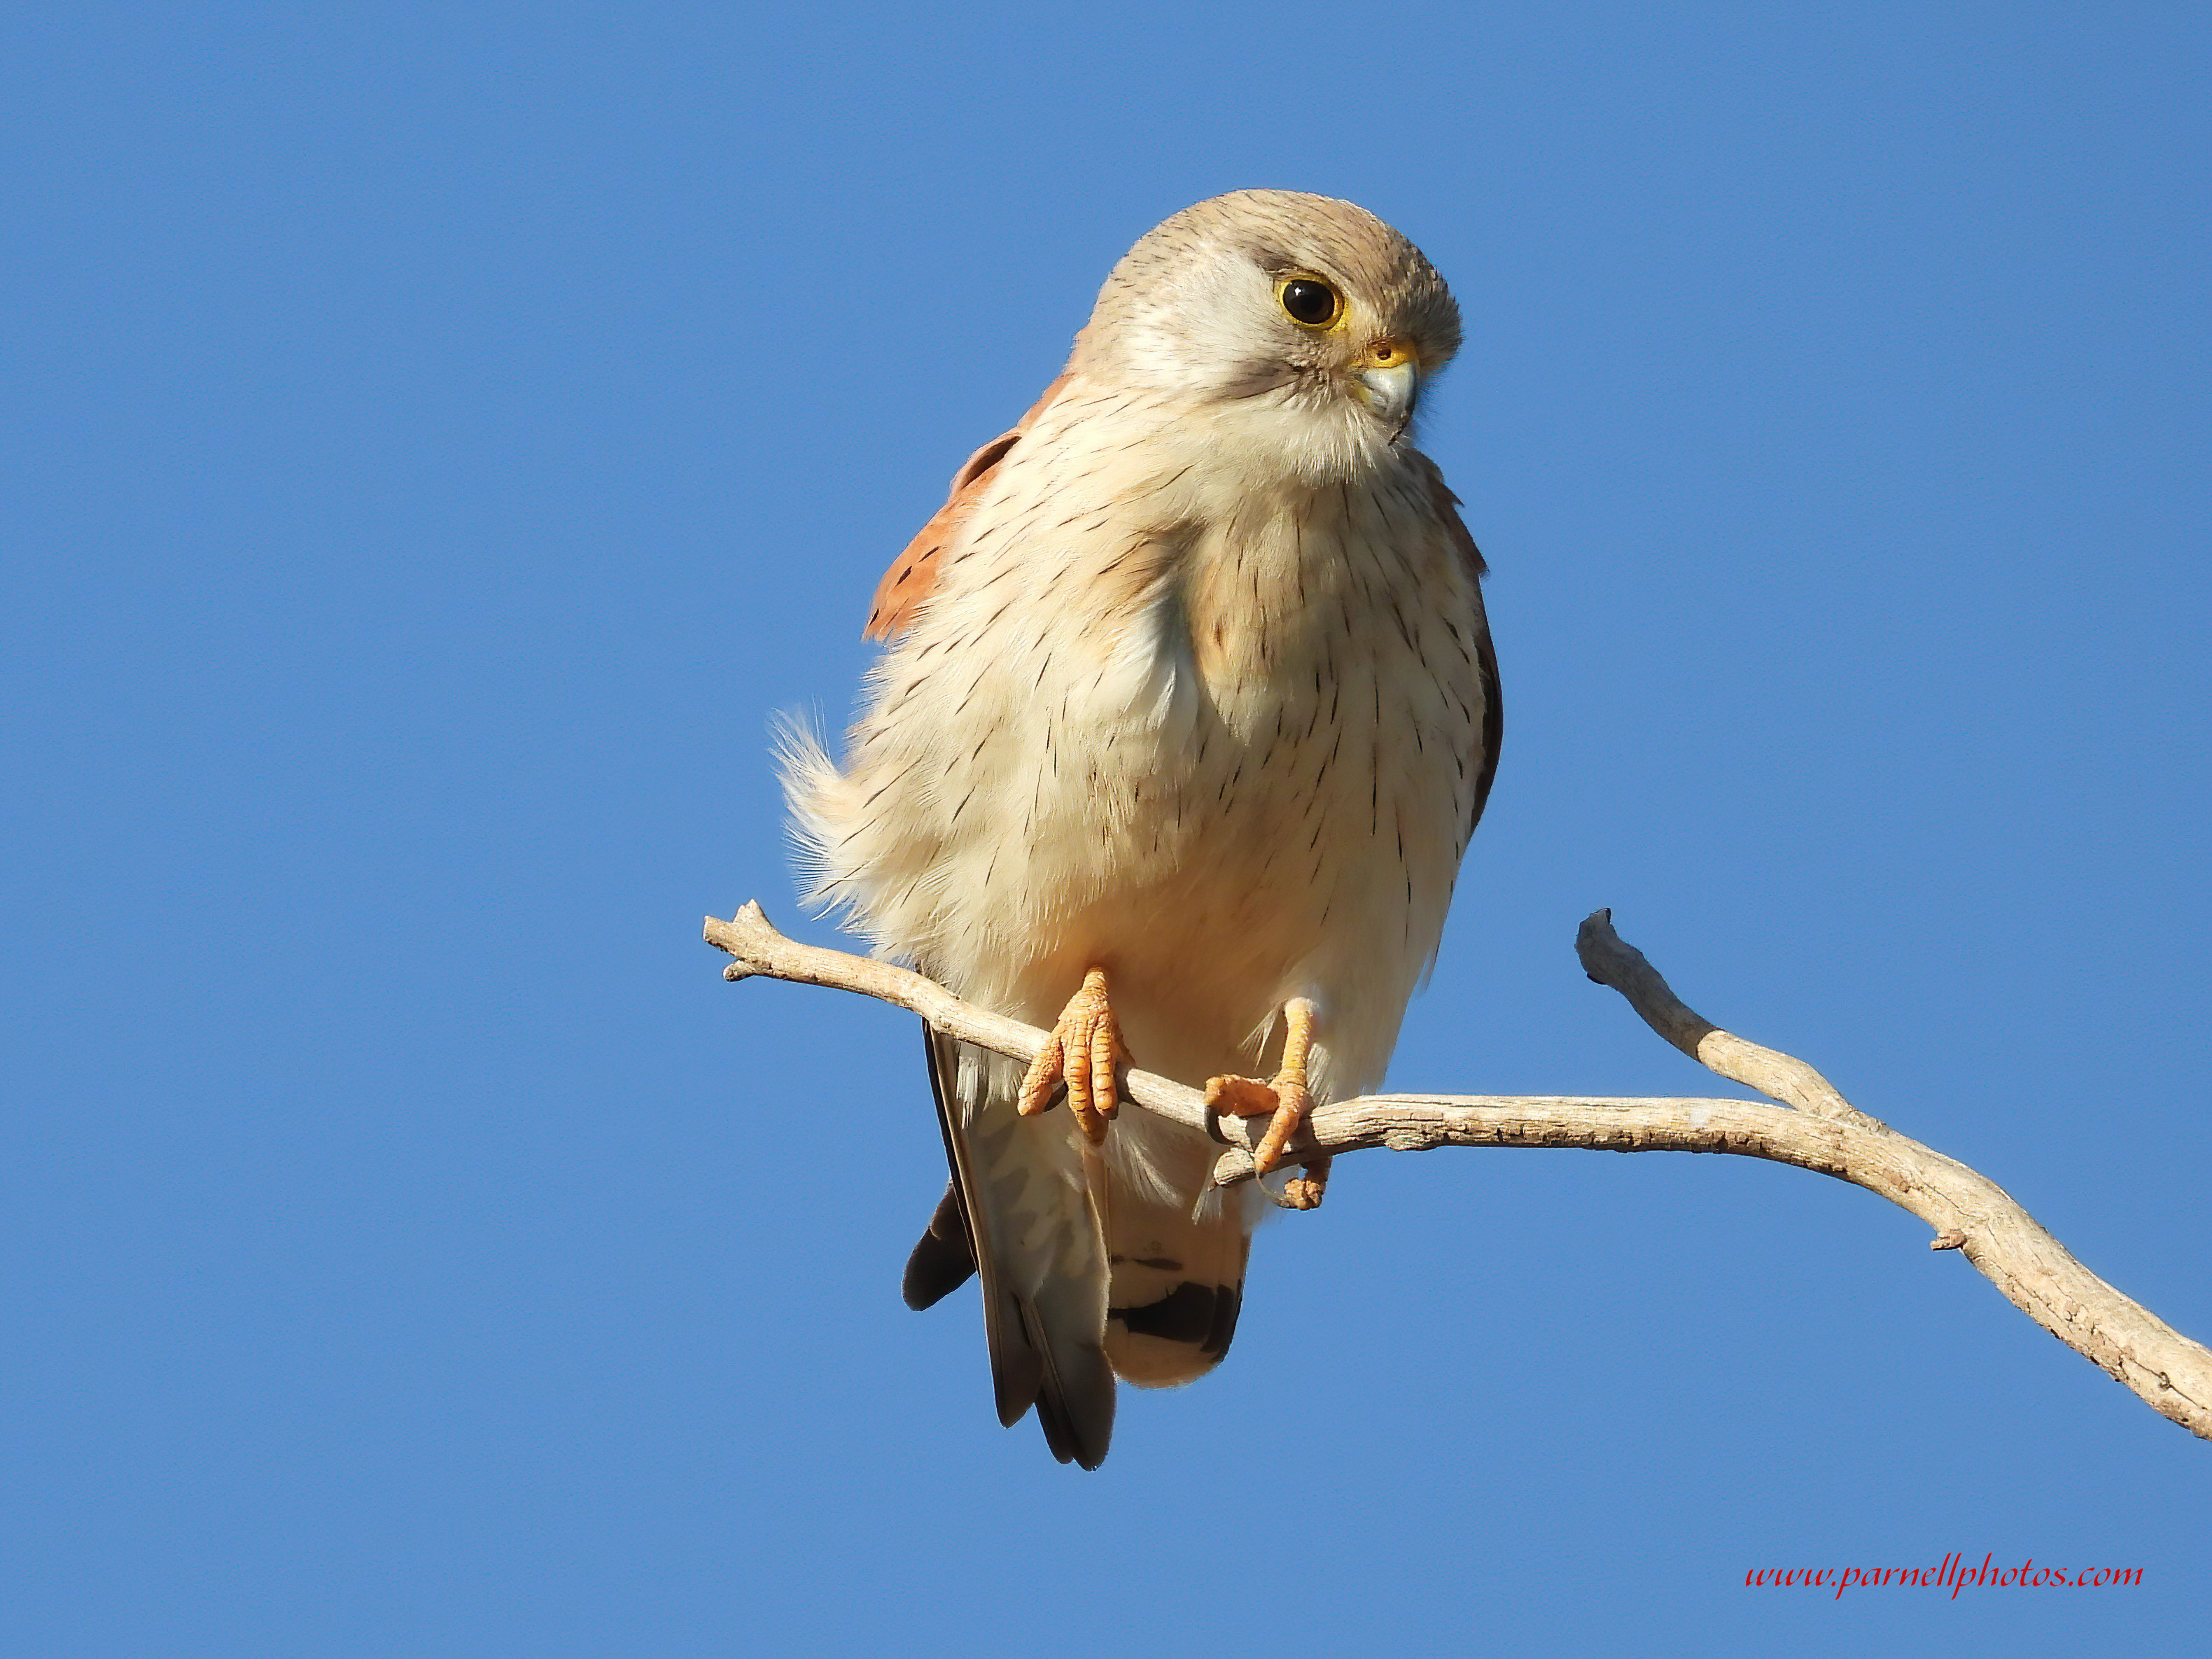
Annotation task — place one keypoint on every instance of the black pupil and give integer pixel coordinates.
(1309, 302)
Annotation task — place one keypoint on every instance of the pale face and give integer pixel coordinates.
(1304, 326)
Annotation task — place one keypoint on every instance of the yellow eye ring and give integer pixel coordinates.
(1309, 301)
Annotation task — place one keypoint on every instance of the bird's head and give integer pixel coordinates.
(1298, 324)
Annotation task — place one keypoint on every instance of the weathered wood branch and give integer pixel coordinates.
(1817, 1130)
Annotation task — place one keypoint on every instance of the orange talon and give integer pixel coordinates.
(1083, 1048)
(1286, 1096)
(1304, 1193)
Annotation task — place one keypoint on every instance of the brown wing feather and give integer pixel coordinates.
(1448, 507)
(1493, 715)
(1493, 707)
(914, 572)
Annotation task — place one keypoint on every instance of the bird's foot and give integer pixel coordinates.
(1304, 1192)
(1285, 1099)
(1286, 1096)
(1083, 1048)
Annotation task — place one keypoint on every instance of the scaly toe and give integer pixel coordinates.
(1285, 1099)
(1239, 1097)
(1304, 1192)
(1292, 1102)
(1083, 1050)
(1044, 1076)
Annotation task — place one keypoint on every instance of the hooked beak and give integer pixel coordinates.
(1387, 378)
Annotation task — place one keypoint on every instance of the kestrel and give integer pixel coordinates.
(1189, 710)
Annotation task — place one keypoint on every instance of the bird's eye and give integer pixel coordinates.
(1309, 302)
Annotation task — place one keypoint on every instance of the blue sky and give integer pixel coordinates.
(438, 439)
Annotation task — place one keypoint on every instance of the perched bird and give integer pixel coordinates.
(1187, 712)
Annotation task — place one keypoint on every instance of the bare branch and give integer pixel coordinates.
(751, 938)
(1610, 960)
(1970, 1213)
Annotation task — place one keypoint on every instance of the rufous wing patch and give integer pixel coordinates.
(914, 572)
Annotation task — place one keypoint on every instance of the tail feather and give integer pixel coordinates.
(1026, 1200)
(1178, 1281)
(942, 1258)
